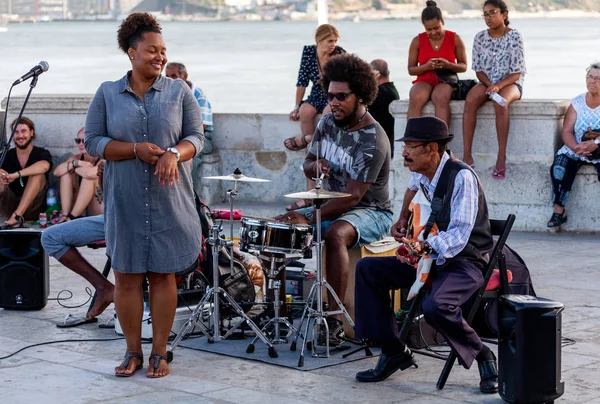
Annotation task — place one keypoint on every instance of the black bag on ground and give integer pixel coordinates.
(420, 334)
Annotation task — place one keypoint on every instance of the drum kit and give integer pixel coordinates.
(276, 244)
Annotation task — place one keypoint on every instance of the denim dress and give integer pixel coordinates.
(149, 227)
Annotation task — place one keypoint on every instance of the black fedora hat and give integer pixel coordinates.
(426, 129)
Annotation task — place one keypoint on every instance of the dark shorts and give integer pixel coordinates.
(317, 99)
(520, 88)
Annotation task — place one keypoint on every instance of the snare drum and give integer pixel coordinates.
(288, 238)
(252, 235)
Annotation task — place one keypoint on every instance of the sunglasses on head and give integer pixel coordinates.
(77, 140)
(338, 96)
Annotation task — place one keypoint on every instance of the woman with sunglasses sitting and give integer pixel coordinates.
(79, 190)
(434, 56)
(499, 62)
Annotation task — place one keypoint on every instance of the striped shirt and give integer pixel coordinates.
(463, 211)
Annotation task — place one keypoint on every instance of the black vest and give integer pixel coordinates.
(481, 236)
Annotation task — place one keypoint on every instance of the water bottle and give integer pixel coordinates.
(51, 197)
(497, 98)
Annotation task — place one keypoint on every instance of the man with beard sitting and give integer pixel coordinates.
(24, 177)
(353, 152)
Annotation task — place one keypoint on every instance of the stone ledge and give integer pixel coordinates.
(530, 108)
(73, 104)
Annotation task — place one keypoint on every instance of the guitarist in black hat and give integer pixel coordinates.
(457, 272)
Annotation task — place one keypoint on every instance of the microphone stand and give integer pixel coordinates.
(6, 145)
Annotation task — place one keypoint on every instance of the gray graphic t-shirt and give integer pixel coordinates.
(361, 155)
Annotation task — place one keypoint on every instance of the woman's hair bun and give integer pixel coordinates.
(431, 3)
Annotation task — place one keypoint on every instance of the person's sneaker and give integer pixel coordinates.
(336, 333)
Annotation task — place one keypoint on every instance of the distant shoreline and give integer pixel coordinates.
(356, 16)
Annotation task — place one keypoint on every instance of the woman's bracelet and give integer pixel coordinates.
(135, 152)
(72, 169)
(297, 106)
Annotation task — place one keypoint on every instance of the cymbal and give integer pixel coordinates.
(317, 194)
(236, 177)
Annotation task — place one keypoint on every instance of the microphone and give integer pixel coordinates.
(35, 71)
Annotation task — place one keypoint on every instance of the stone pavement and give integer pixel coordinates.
(563, 266)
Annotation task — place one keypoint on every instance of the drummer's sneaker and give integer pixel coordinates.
(336, 333)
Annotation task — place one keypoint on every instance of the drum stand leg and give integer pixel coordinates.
(275, 285)
(316, 293)
(214, 294)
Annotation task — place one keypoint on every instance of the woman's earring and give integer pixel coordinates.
(360, 100)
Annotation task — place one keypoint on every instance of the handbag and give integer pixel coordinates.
(592, 134)
(447, 76)
(461, 87)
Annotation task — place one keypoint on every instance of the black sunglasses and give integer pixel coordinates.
(338, 96)
(77, 140)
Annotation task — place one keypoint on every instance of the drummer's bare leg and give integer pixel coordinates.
(340, 236)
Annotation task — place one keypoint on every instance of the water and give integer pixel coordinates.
(252, 67)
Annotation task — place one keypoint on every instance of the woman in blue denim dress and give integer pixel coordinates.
(148, 128)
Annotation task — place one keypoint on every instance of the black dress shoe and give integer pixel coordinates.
(386, 366)
(488, 371)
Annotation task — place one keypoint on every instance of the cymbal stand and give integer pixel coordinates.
(277, 262)
(316, 296)
(213, 294)
(231, 194)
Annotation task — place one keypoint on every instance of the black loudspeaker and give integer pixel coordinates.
(24, 276)
(529, 350)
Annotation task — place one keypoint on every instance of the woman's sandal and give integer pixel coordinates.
(557, 219)
(125, 364)
(293, 145)
(156, 358)
(499, 174)
(20, 222)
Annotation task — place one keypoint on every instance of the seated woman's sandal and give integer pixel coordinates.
(20, 222)
(557, 219)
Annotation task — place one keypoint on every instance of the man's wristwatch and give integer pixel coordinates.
(426, 248)
(174, 151)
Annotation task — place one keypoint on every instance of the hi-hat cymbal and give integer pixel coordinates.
(317, 194)
(236, 177)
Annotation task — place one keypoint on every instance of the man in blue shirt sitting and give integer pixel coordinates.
(464, 233)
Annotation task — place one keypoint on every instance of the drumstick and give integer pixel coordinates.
(269, 219)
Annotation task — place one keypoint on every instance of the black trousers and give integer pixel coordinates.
(563, 172)
(450, 289)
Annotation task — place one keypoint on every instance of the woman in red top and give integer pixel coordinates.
(434, 49)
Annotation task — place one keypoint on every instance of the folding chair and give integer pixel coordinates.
(500, 228)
